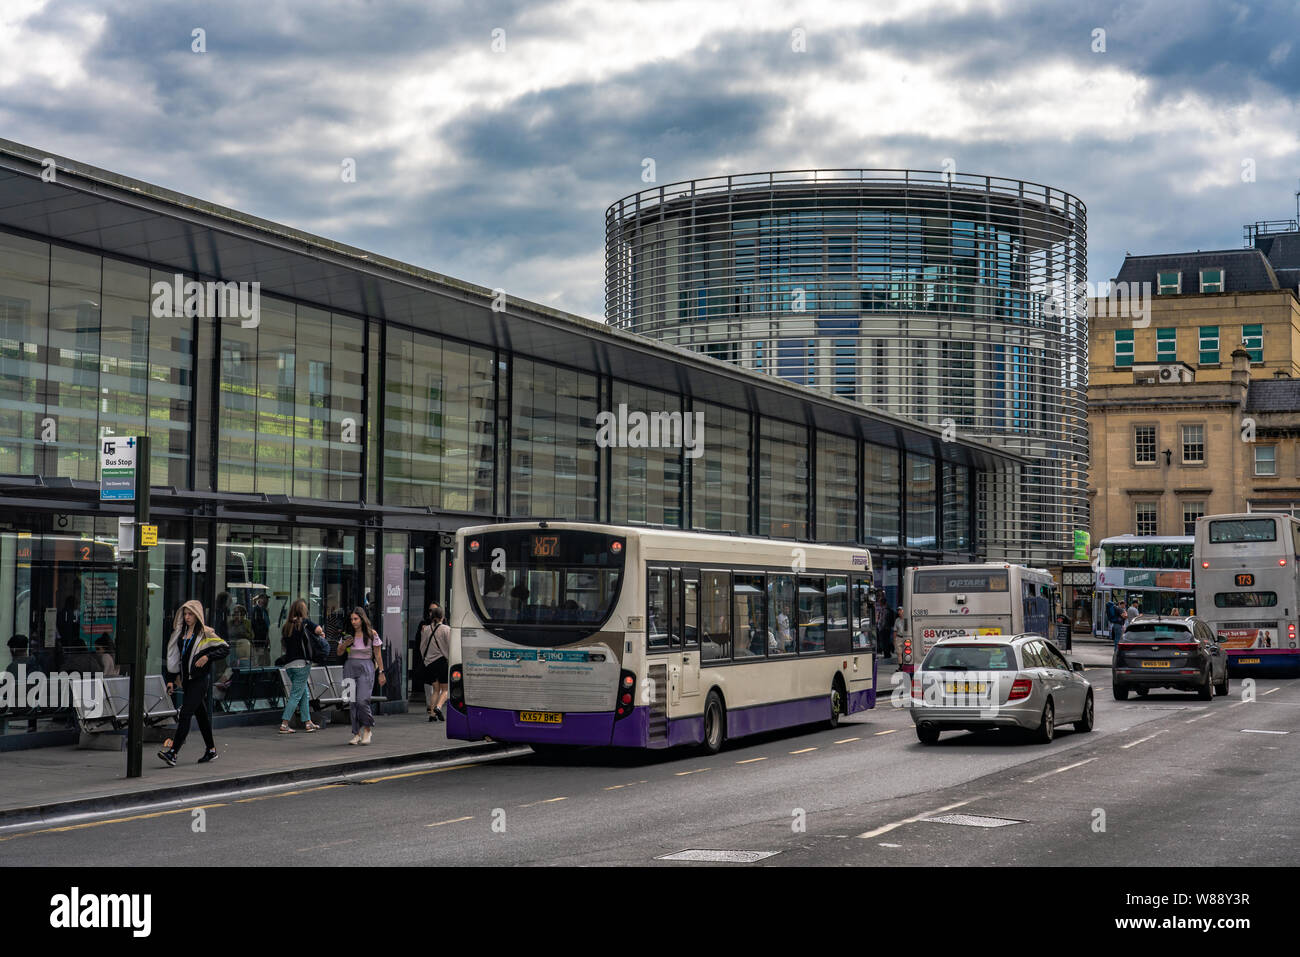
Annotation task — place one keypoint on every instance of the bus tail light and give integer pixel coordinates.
(1205, 564)
(626, 695)
(456, 688)
(1281, 562)
(1020, 689)
(907, 651)
(1290, 633)
(916, 687)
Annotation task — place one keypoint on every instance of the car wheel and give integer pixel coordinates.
(1206, 691)
(927, 735)
(1222, 689)
(1141, 692)
(1085, 720)
(715, 724)
(1047, 725)
(837, 705)
(1120, 691)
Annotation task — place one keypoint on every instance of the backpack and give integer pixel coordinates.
(318, 647)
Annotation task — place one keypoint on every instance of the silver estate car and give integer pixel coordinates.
(999, 681)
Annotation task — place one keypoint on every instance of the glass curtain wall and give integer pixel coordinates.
(921, 501)
(956, 507)
(720, 479)
(291, 399)
(646, 482)
(880, 494)
(439, 408)
(553, 442)
(837, 484)
(783, 480)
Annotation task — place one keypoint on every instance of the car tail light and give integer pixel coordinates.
(626, 694)
(456, 688)
(1020, 689)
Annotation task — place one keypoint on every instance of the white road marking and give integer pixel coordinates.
(1208, 714)
(1256, 731)
(847, 740)
(890, 731)
(696, 771)
(547, 801)
(1133, 744)
(803, 751)
(1077, 764)
(866, 835)
(1270, 691)
(891, 845)
(751, 760)
(454, 820)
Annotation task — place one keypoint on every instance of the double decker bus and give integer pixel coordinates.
(1157, 569)
(570, 633)
(995, 598)
(1248, 586)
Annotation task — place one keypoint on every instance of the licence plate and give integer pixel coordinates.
(966, 687)
(1155, 664)
(1247, 661)
(541, 717)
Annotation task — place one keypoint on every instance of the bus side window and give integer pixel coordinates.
(675, 609)
(657, 599)
(691, 613)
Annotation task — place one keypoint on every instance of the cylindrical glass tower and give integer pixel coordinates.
(957, 301)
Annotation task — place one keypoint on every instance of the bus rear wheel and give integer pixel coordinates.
(715, 724)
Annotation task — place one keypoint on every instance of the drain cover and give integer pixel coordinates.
(972, 820)
(718, 857)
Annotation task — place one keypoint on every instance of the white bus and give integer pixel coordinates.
(946, 601)
(1248, 586)
(569, 633)
(1156, 569)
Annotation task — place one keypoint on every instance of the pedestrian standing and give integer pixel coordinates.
(296, 636)
(361, 643)
(900, 626)
(191, 649)
(434, 655)
(1133, 612)
(423, 635)
(1115, 620)
(886, 633)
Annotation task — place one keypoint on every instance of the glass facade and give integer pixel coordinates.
(296, 431)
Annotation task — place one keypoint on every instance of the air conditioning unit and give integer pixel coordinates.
(1175, 373)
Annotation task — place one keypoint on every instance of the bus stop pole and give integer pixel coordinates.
(135, 725)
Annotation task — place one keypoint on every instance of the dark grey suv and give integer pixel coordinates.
(1160, 652)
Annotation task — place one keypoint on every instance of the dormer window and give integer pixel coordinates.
(1211, 280)
(1169, 283)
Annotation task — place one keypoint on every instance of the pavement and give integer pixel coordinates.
(47, 783)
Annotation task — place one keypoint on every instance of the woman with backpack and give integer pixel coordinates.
(362, 646)
(296, 635)
(433, 652)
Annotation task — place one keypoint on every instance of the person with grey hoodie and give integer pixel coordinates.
(190, 651)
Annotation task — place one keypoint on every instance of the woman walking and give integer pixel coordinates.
(434, 652)
(362, 646)
(191, 649)
(296, 636)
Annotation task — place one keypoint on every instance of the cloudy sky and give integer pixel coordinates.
(490, 136)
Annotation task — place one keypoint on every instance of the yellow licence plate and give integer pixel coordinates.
(1247, 661)
(966, 687)
(1155, 664)
(541, 717)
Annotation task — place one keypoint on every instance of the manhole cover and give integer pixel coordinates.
(718, 857)
(972, 820)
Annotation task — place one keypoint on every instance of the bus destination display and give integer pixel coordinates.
(545, 546)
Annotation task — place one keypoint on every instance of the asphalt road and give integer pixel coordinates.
(1168, 780)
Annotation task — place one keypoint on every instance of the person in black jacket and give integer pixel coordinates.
(191, 649)
(298, 656)
(886, 635)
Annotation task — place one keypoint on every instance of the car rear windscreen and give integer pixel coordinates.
(970, 658)
(1156, 631)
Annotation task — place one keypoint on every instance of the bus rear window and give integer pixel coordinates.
(943, 583)
(1245, 599)
(970, 658)
(1230, 531)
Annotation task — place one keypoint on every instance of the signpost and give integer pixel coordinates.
(124, 477)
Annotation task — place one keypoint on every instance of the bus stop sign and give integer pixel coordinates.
(117, 469)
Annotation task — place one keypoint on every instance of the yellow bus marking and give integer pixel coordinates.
(847, 740)
(416, 774)
(803, 751)
(890, 731)
(751, 760)
(116, 820)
